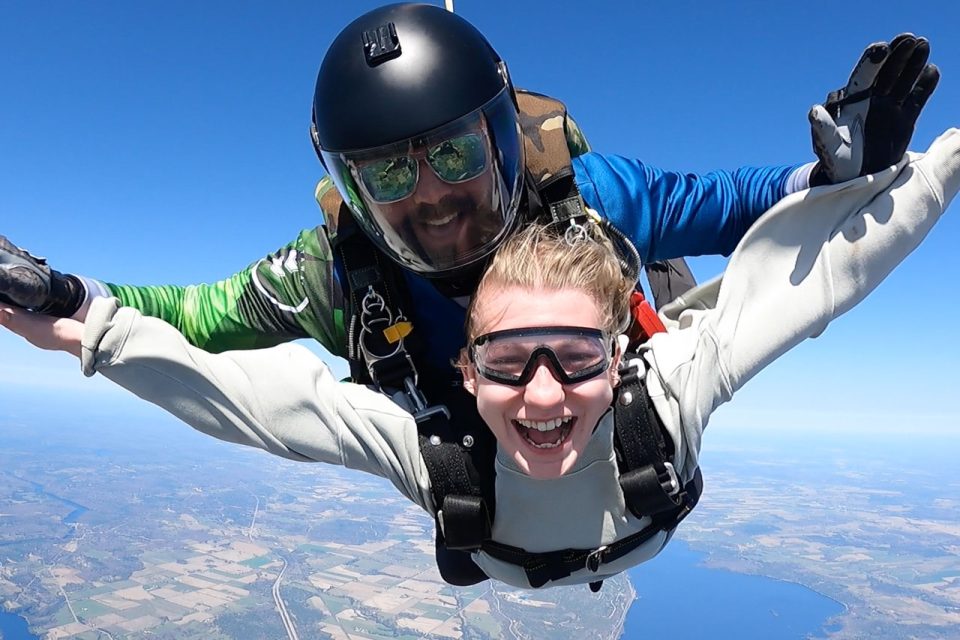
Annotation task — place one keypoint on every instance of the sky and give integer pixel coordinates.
(166, 143)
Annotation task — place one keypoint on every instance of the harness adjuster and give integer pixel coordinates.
(669, 480)
(595, 558)
(381, 342)
(464, 522)
(421, 411)
(652, 489)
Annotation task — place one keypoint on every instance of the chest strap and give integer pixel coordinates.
(548, 566)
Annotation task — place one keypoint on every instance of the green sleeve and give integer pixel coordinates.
(576, 141)
(289, 294)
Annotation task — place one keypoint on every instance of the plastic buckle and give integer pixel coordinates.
(595, 558)
(421, 411)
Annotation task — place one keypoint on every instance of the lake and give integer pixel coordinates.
(679, 598)
(13, 627)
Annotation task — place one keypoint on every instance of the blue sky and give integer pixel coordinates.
(166, 142)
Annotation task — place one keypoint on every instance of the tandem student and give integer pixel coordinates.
(556, 502)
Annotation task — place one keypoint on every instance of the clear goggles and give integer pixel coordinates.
(511, 357)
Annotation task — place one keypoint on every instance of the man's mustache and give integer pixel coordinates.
(447, 205)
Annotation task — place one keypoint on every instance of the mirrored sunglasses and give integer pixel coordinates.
(453, 160)
(510, 357)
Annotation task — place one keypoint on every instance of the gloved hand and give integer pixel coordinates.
(866, 126)
(28, 281)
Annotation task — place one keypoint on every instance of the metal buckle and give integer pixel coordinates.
(374, 305)
(595, 558)
(367, 330)
(372, 299)
(674, 479)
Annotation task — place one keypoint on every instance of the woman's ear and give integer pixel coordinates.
(622, 342)
(470, 379)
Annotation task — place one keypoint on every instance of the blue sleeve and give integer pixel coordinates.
(673, 215)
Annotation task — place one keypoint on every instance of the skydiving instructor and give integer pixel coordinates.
(433, 159)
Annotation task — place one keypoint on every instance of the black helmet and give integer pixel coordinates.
(414, 118)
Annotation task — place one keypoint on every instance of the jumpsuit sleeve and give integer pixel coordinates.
(283, 400)
(673, 215)
(289, 294)
(813, 257)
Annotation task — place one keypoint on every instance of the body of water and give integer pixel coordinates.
(679, 598)
(13, 627)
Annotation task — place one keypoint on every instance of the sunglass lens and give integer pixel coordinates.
(458, 159)
(390, 179)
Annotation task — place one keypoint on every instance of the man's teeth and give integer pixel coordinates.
(439, 222)
(544, 425)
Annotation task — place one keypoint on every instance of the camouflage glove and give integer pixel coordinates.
(866, 126)
(27, 281)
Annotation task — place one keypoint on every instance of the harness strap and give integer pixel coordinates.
(647, 478)
(462, 515)
(547, 155)
(377, 352)
(545, 567)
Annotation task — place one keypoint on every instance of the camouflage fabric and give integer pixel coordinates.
(550, 136)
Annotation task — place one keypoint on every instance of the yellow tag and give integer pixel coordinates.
(397, 332)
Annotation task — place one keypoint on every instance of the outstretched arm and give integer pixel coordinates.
(283, 400)
(289, 294)
(811, 258)
(862, 128)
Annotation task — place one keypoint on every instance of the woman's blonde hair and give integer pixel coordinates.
(543, 257)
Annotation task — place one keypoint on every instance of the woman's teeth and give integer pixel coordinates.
(545, 434)
(544, 425)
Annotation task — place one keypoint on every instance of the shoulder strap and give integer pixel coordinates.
(380, 339)
(644, 452)
(547, 155)
(460, 460)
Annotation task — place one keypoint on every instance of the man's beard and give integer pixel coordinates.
(474, 225)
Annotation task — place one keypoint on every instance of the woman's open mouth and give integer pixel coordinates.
(545, 434)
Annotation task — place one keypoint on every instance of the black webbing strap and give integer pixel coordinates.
(647, 478)
(370, 275)
(545, 567)
(462, 513)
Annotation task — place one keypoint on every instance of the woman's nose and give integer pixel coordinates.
(543, 389)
